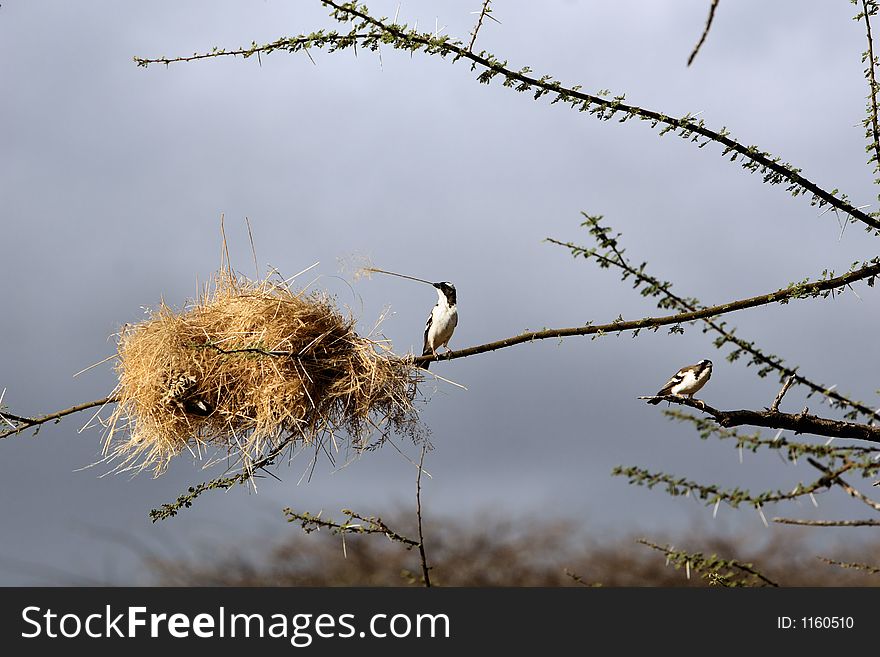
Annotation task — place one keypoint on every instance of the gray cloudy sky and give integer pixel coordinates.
(113, 179)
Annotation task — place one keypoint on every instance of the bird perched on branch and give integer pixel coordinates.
(686, 382)
(442, 320)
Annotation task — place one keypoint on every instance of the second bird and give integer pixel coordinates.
(442, 320)
(687, 381)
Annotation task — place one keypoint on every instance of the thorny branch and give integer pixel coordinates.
(365, 525)
(653, 286)
(24, 423)
(871, 570)
(718, 571)
(797, 422)
(862, 457)
(485, 12)
(869, 8)
(705, 32)
(828, 523)
(171, 509)
(713, 494)
(779, 296)
(580, 580)
(400, 37)
(422, 556)
(850, 490)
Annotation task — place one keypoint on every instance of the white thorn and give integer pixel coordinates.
(715, 510)
(763, 518)
(813, 500)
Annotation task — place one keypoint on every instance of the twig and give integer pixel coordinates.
(757, 161)
(28, 422)
(580, 580)
(311, 522)
(775, 406)
(872, 83)
(711, 565)
(670, 299)
(828, 523)
(705, 32)
(861, 456)
(712, 493)
(485, 11)
(845, 486)
(496, 67)
(290, 44)
(798, 423)
(872, 570)
(171, 509)
(424, 559)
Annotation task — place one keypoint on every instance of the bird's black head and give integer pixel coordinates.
(706, 363)
(448, 290)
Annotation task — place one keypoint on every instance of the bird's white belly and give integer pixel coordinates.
(443, 323)
(690, 384)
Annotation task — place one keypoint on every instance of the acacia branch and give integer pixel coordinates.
(398, 36)
(422, 556)
(485, 11)
(656, 287)
(171, 509)
(705, 32)
(24, 423)
(779, 296)
(797, 423)
(828, 523)
(290, 44)
(373, 525)
(850, 490)
(874, 132)
(495, 67)
(862, 457)
(871, 570)
(715, 569)
(714, 494)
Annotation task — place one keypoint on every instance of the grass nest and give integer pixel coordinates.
(250, 368)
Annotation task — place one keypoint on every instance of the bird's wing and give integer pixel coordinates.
(425, 349)
(676, 378)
